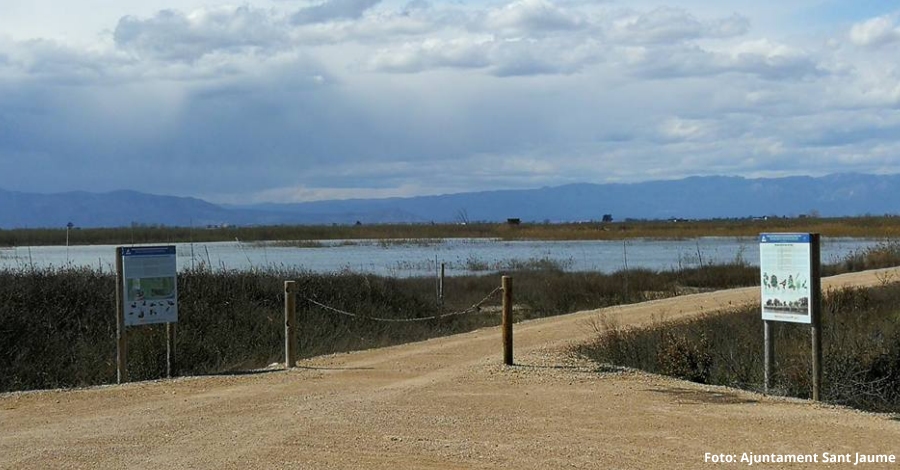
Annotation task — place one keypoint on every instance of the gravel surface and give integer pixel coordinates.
(447, 403)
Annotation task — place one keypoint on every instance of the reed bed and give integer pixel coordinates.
(57, 326)
(859, 227)
(861, 337)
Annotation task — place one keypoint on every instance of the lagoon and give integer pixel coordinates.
(422, 257)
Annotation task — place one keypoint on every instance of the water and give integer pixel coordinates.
(405, 258)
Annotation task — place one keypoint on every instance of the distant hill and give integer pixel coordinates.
(691, 198)
(113, 209)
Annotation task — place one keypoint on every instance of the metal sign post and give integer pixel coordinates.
(768, 355)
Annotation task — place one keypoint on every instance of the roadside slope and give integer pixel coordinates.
(442, 403)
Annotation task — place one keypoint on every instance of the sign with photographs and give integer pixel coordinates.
(150, 285)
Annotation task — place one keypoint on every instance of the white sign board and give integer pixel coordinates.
(785, 266)
(150, 285)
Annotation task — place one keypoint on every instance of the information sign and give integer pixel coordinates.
(150, 285)
(786, 270)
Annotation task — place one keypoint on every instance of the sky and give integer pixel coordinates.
(296, 100)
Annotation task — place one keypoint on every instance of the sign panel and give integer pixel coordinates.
(785, 266)
(150, 285)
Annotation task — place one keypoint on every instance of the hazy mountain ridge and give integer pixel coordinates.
(695, 197)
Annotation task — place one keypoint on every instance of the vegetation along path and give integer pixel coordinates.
(446, 403)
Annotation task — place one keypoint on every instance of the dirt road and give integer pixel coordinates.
(446, 403)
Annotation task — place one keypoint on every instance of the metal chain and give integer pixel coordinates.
(471, 309)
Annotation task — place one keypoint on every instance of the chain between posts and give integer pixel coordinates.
(473, 308)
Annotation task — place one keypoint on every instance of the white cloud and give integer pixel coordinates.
(372, 29)
(173, 35)
(305, 193)
(669, 25)
(48, 61)
(471, 52)
(771, 60)
(685, 129)
(499, 57)
(331, 10)
(532, 16)
(761, 58)
(876, 31)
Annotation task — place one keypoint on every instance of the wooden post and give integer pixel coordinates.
(290, 316)
(816, 315)
(506, 283)
(441, 287)
(121, 337)
(625, 260)
(768, 355)
(170, 350)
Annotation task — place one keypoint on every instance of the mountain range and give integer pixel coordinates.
(847, 194)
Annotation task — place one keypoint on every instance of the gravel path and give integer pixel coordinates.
(446, 403)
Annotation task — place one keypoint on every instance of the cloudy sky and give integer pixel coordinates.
(296, 100)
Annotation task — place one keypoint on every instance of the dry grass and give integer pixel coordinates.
(861, 337)
(58, 327)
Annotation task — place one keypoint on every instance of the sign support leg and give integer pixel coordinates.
(170, 350)
(816, 317)
(121, 336)
(769, 355)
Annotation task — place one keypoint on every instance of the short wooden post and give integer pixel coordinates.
(290, 319)
(506, 283)
(816, 315)
(441, 287)
(121, 338)
(625, 261)
(768, 355)
(170, 350)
